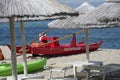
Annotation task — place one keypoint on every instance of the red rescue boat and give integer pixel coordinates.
(54, 48)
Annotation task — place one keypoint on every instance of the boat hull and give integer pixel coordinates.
(81, 48)
(6, 69)
(63, 49)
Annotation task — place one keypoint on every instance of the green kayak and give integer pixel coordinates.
(6, 69)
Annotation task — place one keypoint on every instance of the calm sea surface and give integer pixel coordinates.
(110, 36)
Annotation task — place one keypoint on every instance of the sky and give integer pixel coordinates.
(76, 3)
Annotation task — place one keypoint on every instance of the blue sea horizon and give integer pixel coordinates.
(110, 36)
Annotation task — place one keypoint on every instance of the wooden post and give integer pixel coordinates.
(13, 48)
(23, 47)
(87, 45)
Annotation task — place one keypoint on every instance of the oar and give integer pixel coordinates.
(39, 36)
(64, 37)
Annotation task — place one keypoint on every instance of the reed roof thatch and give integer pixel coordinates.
(27, 19)
(84, 8)
(21, 8)
(106, 14)
(115, 1)
(113, 15)
(68, 22)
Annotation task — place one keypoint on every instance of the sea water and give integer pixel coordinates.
(110, 36)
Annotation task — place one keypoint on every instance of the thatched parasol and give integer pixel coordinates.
(113, 1)
(22, 8)
(114, 16)
(68, 22)
(28, 8)
(109, 9)
(108, 12)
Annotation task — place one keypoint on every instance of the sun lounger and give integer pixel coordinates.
(29, 76)
(62, 67)
(80, 64)
(101, 70)
(58, 67)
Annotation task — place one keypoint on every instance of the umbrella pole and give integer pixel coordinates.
(24, 49)
(13, 48)
(87, 46)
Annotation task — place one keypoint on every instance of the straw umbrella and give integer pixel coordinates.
(107, 13)
(69, 22)
(113, 17)
(28, 8)
(110, 11)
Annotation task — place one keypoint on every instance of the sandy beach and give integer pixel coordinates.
(108, 56)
